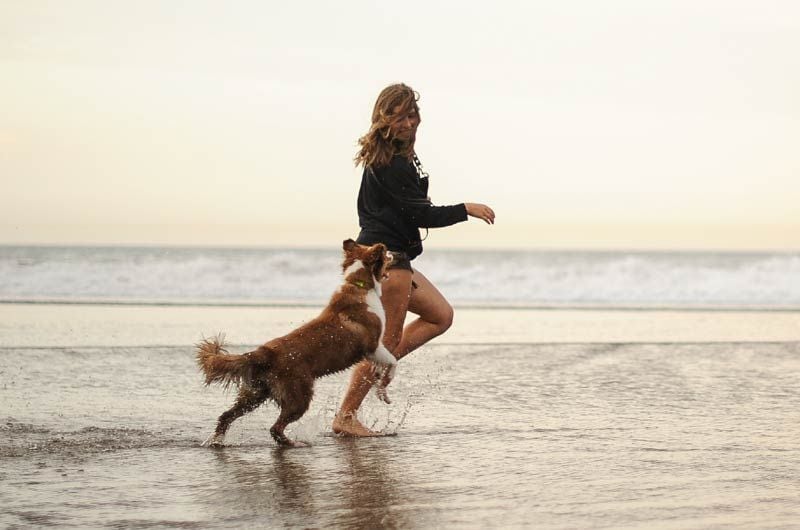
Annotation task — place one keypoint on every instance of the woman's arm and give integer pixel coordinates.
(481, 211)
(400, 185)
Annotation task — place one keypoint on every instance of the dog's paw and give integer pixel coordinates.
(382, 395)
(386, 377)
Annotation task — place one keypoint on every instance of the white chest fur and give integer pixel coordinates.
(381, 355)
(374, 304)
(373, 295)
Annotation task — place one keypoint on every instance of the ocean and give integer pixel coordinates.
(575, 390)
(203, 276)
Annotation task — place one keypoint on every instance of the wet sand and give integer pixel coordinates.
(515, 418)
(110, 325)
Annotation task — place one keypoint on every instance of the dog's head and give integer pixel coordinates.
(375, 258)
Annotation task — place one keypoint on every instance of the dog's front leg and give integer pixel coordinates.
(383, 356)
(385, 366)
(384, 380)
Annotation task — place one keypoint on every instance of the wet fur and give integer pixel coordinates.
(284, 369)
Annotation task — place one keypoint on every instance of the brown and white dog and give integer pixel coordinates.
(347, 331)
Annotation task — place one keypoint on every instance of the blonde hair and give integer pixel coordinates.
(378, 145)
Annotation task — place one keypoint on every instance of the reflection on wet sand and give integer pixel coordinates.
(353, 484)
(265, 484)
(551, 435)
(369, 485)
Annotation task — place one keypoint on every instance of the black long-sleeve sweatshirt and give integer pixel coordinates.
(393, 205)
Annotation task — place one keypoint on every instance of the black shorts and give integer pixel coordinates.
(400, 261)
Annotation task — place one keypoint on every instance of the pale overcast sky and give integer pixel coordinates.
(616, 124)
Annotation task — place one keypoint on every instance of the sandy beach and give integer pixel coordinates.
(515, 418)
(606, 193)
(65, 325)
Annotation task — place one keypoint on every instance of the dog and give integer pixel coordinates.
(347, 331)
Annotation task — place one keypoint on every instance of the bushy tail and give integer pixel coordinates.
(219, 366)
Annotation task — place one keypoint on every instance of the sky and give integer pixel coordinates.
(583, 124)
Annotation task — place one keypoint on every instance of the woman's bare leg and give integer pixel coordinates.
(395, 297)
(435, 317)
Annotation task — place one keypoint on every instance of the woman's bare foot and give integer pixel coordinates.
(348, 425)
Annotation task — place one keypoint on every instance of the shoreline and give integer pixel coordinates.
(319, 304)
(112, 325)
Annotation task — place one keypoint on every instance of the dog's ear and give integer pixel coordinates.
(376, 253)
(380, 252)
(378, 260)
(348, 245)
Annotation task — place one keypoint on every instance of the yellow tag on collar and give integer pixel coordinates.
(359, 283)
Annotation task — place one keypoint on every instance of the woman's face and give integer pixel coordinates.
(404, 126)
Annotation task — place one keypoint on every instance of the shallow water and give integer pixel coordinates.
(514, 435)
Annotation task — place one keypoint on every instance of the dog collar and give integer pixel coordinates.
(359, 283)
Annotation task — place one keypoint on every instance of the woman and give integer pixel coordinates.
(392, 206)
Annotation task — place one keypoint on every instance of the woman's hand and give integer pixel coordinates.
(481, 211)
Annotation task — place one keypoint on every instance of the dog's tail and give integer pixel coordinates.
(218, 366)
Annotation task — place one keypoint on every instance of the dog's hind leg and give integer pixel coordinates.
(293, 406)
(247, 401)
(287, 416)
